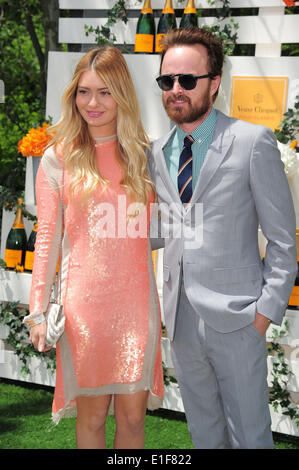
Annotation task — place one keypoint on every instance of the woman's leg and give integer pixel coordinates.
(91, 421)
(129, 413)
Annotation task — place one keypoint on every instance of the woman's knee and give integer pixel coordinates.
(92, 415)
(96, 421)
(130, 412)
(131, 421)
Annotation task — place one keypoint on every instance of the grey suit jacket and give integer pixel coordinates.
(214, 241)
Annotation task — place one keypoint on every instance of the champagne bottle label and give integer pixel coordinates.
(144, 43)
(12, 258)
(18, 225)
(294, 299)
(189, 10)
(29, 260)
(158, 38)
(146, 10)
(167, 10)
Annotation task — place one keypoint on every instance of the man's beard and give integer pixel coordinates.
(189, 114)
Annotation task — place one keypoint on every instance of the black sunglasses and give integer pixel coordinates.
(186, 80)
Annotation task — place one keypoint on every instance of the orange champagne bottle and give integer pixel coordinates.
(145, 31)
(167, 21)
(189, 17)
(29, 257)
(16, 241)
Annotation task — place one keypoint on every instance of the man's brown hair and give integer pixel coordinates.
(193, 36)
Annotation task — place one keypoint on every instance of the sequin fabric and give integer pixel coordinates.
(112, 339)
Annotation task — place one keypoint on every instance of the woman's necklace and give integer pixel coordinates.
(104, 139)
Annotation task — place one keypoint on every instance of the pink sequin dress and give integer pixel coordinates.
(112, 338)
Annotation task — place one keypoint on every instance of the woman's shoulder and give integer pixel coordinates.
(52, 165)
(53, 156)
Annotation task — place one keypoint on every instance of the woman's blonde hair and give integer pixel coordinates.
(78, 145)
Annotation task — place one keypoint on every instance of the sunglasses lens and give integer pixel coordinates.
(188, 82)
(165, 82)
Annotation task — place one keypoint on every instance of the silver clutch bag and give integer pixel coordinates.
(55, 323)
(55, 315)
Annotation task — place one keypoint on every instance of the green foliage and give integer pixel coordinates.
(24, 105)
(289, 126)
(103, 34)
(280, 397)
(227, 32)
(11, 315)
(168, 379)
(290, 49)
(224, 11)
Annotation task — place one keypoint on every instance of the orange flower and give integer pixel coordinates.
(289, 3)
(294, 144)
(34, 143)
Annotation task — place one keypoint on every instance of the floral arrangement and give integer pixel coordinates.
(287, 143)
(289, 157)
(35, 141)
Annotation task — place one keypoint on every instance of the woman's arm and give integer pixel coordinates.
(47, 247)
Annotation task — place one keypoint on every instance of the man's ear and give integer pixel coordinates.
(215, 84)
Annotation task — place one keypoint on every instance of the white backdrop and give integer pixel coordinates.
(144, 69)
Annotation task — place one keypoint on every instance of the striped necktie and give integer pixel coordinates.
(185, 171)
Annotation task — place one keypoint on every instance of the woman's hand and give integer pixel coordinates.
(38, 336)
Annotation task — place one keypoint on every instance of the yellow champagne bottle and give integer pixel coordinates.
(30, 249)
(16, 241)
(145, 31)
(189, 17)
(167, 21)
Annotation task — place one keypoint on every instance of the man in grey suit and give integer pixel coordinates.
(218, 178)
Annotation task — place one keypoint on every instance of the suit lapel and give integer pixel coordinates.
(218, 149)
(162, 167)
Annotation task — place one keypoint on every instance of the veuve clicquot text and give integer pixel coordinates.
(29, 257)
(145, 31)
(167, 21)
(189, 17)
(16, 241)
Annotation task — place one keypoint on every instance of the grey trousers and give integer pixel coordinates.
(223, 383)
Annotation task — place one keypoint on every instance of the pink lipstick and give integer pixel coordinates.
(94, 114)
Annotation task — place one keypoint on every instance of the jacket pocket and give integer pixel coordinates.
(251, 330)
(251, 272)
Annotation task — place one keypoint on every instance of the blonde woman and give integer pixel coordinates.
(93, 188)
